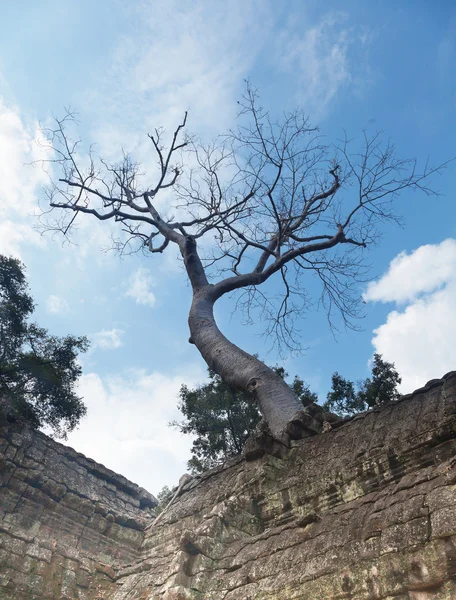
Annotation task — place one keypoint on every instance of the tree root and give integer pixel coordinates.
(310, 421)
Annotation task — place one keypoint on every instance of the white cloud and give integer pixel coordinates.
(419, 337)
(13, 234)
(108, 339)
(410, 275)
(126, 427)
(56, 304)
(19, 180)
(18, 148)
(139, 286)
(22, 150)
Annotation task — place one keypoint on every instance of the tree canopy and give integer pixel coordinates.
(346, 398)
(270, 199)
(38, 371)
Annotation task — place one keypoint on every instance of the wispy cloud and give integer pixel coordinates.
(446, 54)
(57, 305)
(14, 234)
(139, 287)
(318, 56)
(18, 150)
(182, 56)
(107, 339)
(20, 180)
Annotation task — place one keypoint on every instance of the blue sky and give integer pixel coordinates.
(127, 67)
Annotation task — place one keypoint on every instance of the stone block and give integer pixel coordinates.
(443, 522)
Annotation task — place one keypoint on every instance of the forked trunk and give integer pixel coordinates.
(277, 402)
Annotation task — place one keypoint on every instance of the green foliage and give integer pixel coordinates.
(342, 399)
(38, 371)
(302, 391)
(164, 498)
(221, 419)
(379, 389)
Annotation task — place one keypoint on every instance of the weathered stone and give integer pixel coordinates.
(443, 522)
(365, 511)
(49, 548)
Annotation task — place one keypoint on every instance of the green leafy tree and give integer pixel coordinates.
(303, 393)
(346, 399)
(38, 371)
(381, 388)
(164, 497)
(343, 399)
(222, 418)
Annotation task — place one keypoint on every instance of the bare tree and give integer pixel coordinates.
(272, 200)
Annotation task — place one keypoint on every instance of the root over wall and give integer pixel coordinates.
(364, 511)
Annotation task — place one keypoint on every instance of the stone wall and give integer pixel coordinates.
(66, 522)
(365, 511)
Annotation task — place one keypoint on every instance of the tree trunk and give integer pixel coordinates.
(277, 402)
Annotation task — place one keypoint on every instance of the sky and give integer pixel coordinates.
(129, 67)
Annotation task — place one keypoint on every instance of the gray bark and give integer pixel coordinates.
(277, 402)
